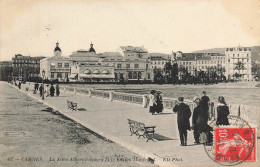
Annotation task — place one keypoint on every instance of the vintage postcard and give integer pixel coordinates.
(129, 83)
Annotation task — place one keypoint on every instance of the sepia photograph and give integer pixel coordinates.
(129, 83)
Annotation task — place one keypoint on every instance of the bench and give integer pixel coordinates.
(71, 105)
(139, 129)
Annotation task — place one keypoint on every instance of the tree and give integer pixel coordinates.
(158, 77)
(239, 66)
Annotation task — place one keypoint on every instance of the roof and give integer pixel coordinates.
(19, 56)
(162, 55)
(110, 54)
(57, 49)
(139, 49)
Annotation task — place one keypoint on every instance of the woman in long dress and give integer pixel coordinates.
(222, 112)
(152, 102)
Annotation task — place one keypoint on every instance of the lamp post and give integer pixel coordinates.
(43, 74)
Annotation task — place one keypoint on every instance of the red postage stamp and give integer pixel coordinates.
(235, 144)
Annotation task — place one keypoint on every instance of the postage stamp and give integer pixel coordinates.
(233, 144)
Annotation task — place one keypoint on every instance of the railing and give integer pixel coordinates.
(244, 111)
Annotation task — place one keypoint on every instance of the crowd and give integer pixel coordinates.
(201, 130)
(49, 91)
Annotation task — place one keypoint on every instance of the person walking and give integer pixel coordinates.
(47, 90)
(57, 90)
(19, 85)
(152, 102)
(183, 116)
(195, 114)
(222, 112)
(37, 86)
(41, 90)
(52, 90)
(159, 103)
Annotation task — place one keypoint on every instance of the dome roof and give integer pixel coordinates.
(96, 72)
(57, 49)
(87, 72)
(105, 72)
(92, 50)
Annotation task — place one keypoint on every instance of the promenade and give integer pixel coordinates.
(109, 119)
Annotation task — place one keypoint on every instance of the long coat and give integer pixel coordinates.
(52, 90)
(223, 112)
(202, 121)
(183, 116)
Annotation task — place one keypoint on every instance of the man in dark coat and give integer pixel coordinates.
(183, 116)
(52, 90)
(195, 117)
(41, 90)
(205, 101)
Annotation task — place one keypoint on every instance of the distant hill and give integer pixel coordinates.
(255, 51)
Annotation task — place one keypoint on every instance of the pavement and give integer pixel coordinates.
(109, 119)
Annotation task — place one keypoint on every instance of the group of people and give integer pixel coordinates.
(155, 102)
(200, 118)
(50, 91)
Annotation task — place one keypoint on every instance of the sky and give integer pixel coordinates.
(32, 27)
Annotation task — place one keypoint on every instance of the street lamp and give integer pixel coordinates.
(43, 74)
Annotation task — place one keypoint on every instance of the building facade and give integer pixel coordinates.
(6, 70)
(26, 66)
(195, 62)
(56, 67)
(158, 60)
(128, 68)
(239, 63)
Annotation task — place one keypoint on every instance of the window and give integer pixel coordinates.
(201, 62)
(59, 65)
(136, 66)
(134, 75)
(149, 76)
(59, 75)
(151, 62)
(158, 62)
(237, 55)
(147, 66)
(127, 65)
(187, 63)
(163, 62)
(66, 65)
(190, 63)
(52, 74)
(52, 65)
(228, 60)
(118, 65)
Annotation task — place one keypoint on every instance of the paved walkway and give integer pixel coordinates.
(109, 119)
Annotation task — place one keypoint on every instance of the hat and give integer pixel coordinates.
(196, 98)
(204, 91)
(152, 91)
(180, 98)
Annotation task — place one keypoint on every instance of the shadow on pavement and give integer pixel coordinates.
(161, 137)
(81, 109)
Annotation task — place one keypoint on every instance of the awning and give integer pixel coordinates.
(96, 76)
(73, 75)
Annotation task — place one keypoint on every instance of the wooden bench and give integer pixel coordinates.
(71, 105)
(139, 129)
